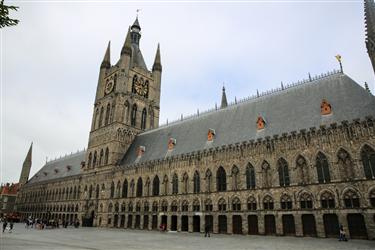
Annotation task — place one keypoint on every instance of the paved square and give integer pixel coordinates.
(108, 239)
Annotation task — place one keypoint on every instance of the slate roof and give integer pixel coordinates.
(284, 111)
(48, 171)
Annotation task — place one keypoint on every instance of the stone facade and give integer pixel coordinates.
(295, 183)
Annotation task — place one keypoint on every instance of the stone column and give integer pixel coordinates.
(133, 222)
(169, 222)
(370, 225)
(141, 221)
(178, 223)
(190, 224)
(229, 223)
(319, 225)
(245, 226)
(203, 223)
(215, 223)
(298, 224)
(261, 227)
(279, 224)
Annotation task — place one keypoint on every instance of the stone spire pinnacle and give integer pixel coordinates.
(370, 29)
(127, 48)
(107, 57)
(224, 102)
(157, 62)
(26, 166)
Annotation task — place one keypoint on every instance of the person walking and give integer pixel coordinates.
(207, 230)
(11, 226)
(342, 236)
(4, 225)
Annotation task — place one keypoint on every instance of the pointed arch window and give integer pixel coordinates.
(107, 113)
(155, 206)
(250, 177)
(351, 199)
(368, 161)
(251, 204)
(208, 180)
(146, 206)
(155, 186)
(286, 202)
(322, 168)
(208, 205)
(174, 206)
(185, 181)
(283, 172)
(221, 180)
(112, 190)
(101, 117)
(327, 200)
(90, 191)
(139, 187)
(222, 205)
(135, 79)
(106, 156)
(185, 206)
(175, 184)
(164, 206)
(125, 189)
(236, 204)
(196, 206)
(133, 121)
(235, 179)
(268, 203)
(127, 112)
(305, 201)
(96, 191)
(144, 119)
(94, 160)
(197, 183)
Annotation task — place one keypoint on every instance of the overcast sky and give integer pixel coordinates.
(51, 60)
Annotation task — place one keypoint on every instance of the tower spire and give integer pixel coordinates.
(107, 57)
(127, 48)
(26, 166)
(224, 102)
(157, 61)
(369, 6)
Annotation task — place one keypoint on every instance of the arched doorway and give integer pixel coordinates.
(154, 222)
(174, 223)
(237, 224)
(223, 224)
(209, 221)
(88, 220)
(145, 222)
(252, 221)
(308, 225)
(184, 223)
(115, 221)
(288, 224)
(137, 222)
(196, 223)
(357, 227)
(130, 221)
(269, 224)
(122, 221)
(331, 225)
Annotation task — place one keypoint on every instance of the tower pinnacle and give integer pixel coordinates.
(370, 29)
(26, 166)
(157, 61)
(127, 48)
(224, 102)
(107, 57)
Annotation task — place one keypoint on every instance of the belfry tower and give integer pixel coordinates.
(370, 30)
(127, 102)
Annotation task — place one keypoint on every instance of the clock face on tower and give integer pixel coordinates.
(141, 87)
(109, 86)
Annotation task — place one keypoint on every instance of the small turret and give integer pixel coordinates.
(135, 32)
(224, 102)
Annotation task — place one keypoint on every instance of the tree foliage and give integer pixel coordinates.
(5, 20)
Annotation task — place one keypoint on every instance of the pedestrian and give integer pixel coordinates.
(4, 225)
(207, 230)
(342, 236)
(11, 226)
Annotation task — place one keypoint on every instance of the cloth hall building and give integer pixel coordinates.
(299, 160)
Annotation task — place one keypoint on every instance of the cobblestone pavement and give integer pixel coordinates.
(108, 239)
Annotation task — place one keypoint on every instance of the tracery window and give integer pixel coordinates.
(154, 206)
(143, 119)
(236, 204)
(305, 201)
(327, 200)
(368, 161)
(112, 190)
(221, 179)
(251, 204)
(174, 206)
(185, 206)
(106, 156)
(322, 168)
(208, 205)
(134, 115)
(196, 206)
(351, 199)
(138, 207)
(146, 206)
(283, 172)
(268, 203)
(139, 187)
(286, 202)
(125, 189)
(222, 205)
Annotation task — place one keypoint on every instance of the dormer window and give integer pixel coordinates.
(171, 143)
(325, 107)
(211, 134)
(68, 167)
(45, 173)
(141, 150)
(56, 170)
(260, 123)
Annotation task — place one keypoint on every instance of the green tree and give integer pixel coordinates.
(5, 20)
